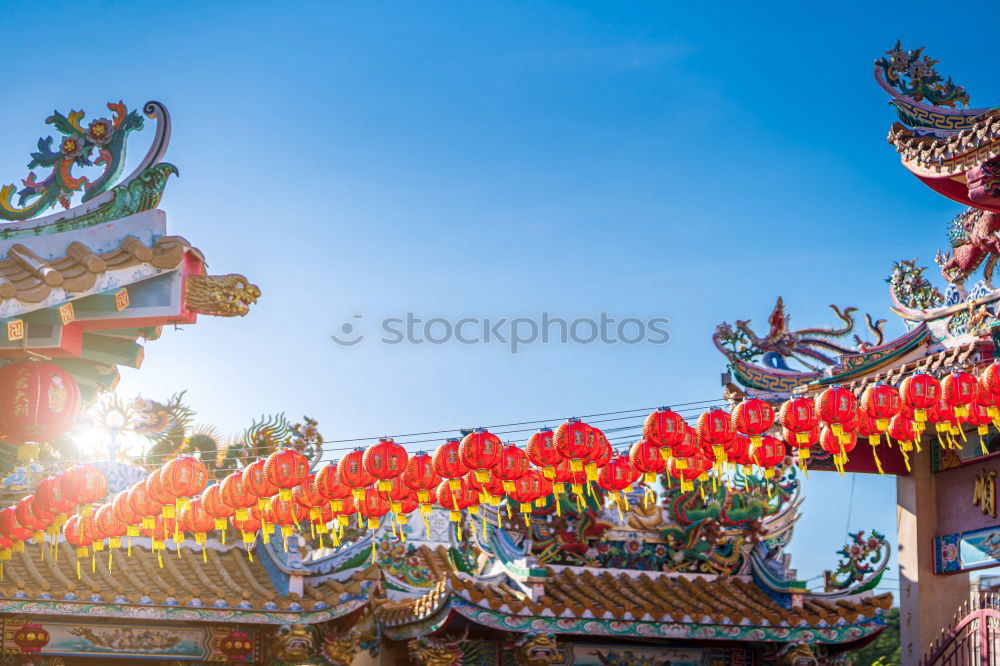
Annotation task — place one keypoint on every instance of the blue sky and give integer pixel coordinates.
(682, 160)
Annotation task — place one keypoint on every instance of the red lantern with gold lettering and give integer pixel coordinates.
(259, 484)
(513, 464)
(960, 389)
(385, 461)
(574, 442)
(480, 452)
(836, 406)
(194, 518)
(354, 475)
(75, 536)
(286, 469)
(217, 508)
(448, 463)
(920, 392)
(184, 477)
(542, 453)
(753, 417)
(665, 429)
(144, 505)
(716, 429)
(38, 402)
(83, 485)
(327, 483)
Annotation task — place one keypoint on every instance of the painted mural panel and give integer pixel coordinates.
(967, 550)
(127, 641)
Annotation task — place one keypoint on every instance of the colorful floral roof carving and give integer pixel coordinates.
(914, 75)
(101, 143)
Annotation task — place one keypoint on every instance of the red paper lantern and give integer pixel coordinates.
(159, 493)
(184, 477)
(541, 451)
(11, 529)
(327, 483)
(753, 417)
(645, 457)
(50, 497)
(512, 466)
(836, 406)
(664, 428)
(838, 445)
(83, 484)
(799, 416)
(260, 486)
(385, 461)
(448, 463)
(920, 392)
(26, 518)
(960, 389)
(769, 454)
(75, 536)
(372, 507)
(716, 429)
(235, 493)
(574, 441)
(686, 470)
(989, 387)
(688, 445)
(38, 402)
(286, 514)
(217, 508)
(617, 475)
(977, 415)
(353, 474)
(450, 500)
(420, 476)
(881, 402)
(480, 452)
(286, 469)
(195, 519)
(526, 490)
(127, 515)
(112, 529)
(143, 504)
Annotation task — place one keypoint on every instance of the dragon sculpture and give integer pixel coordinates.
(169, 427)
(447, 650)
(701, 531)
(806, 345)
(220, 295)
(974, 240)
(533, 649)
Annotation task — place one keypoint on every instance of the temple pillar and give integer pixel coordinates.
(927, 601)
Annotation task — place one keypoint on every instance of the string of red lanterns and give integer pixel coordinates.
(480, 470)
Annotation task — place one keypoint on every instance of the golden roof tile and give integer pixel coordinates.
(29, 278)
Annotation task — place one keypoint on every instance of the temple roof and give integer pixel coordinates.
(935, 157)
(933, 362)
(637, 596)
(227, 583)
(29, 278)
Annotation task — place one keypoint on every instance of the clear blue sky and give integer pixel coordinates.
(685, 160)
